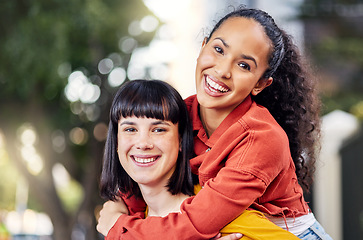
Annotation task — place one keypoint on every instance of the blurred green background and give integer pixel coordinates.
(55, 93)
(51, 140)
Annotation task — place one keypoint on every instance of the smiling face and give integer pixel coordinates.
(148, 149)
(231, 64)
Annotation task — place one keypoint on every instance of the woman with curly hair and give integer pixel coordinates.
(147, 152)
(256, 121)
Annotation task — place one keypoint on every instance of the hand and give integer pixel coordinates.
(109, 214)
(232, 236)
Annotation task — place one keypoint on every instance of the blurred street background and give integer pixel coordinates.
(61, 61)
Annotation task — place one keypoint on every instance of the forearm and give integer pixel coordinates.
(134, 227)
(202, 216)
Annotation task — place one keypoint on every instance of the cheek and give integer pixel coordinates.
(123, 145)
(176, 148)
(123, 149)
(170, 145)
(204, 60)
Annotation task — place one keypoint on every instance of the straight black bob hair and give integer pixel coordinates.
(150, 99)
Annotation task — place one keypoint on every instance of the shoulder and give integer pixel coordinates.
(259, 120)
(192, 105)
(252, 123)
(189, 101)
(267, 138)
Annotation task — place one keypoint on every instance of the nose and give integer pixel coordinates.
(223, 68)
(144, 142)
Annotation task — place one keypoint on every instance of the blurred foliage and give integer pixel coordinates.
(350, 49)
(41, 43)
(334, 34)
(71, 195)
(8, 178)
(357, 110)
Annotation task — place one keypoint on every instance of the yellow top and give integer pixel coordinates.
(254, 225)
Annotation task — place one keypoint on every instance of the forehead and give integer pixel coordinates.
(243, 26)
(245, 34)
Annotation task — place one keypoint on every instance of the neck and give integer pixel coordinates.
(211, 118)
(160, 201)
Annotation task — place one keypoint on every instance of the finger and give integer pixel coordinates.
(233, 236)
(217, 236)
(118, 199)
(100, 229)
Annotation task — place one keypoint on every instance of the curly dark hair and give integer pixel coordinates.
(292, 98)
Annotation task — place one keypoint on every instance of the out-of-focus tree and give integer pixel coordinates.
(334, 34)
(46, 48)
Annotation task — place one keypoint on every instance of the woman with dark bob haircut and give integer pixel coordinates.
(147, 154)
(150, 99)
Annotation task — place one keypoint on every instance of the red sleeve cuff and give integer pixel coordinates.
(117, 229)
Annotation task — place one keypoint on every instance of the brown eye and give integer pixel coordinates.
(158, 130)
(130, 129)
(218, 50)
(244, 66)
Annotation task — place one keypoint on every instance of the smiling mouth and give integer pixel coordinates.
(145, 160)
(215, 87)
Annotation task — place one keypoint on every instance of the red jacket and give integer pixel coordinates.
(246, 163)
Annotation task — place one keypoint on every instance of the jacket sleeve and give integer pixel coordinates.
(134, 205)
(241, 175)
(220, 201)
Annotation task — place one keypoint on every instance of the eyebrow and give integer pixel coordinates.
(153, 123)
(244, 56)
(127, 123)
(160, 122)
(224, 43)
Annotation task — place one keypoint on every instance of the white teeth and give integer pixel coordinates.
(215, 86)
(144, 160)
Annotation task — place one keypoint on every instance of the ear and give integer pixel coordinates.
(204, 42)
(261, 84)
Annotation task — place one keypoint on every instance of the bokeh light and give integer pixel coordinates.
(127, 44)
(105, 66)
(100, 132)
(90, 93)
(29, 222)
(135, 28)
(76, 107)
(79, 88)
(78, 136)
(58, 141)
(92, 112)
(28, 138)
(149, 23)
(60, 175)
(116, 77)
(116, 59)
